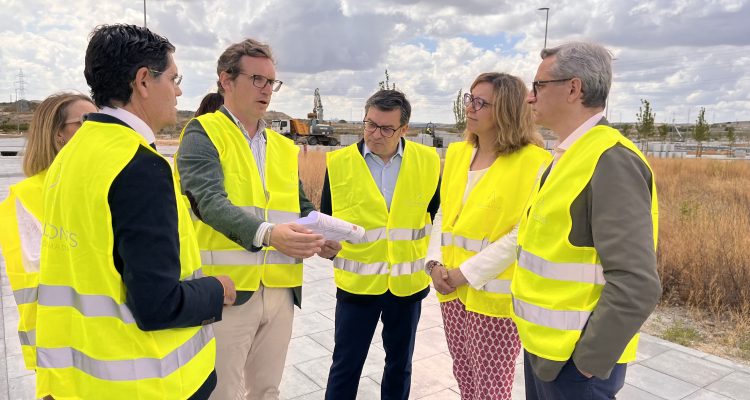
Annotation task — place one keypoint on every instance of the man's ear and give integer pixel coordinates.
(404, 130)
(225, 78)
(141, 82)
(576, 89)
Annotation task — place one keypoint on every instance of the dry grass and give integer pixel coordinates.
(312, 168)
(704, 253)
(704, 234)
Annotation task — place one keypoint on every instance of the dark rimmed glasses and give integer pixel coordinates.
(386, 131)
(476, 102)
(176, 79)
(536, 84)
(261, 81)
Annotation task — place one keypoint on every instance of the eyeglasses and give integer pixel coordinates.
(386, 131)
(261, 81)
(536, 84)
(78, 121)
(176, 79)
(476, 102)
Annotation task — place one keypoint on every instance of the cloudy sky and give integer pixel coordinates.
(680, 55)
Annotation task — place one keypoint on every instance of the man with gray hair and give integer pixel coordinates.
(586, 277)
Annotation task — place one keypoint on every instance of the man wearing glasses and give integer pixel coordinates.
(586, 278)
(390, 187)
(241, 180)
(123, 310)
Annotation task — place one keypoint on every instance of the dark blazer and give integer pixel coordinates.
(146, 251)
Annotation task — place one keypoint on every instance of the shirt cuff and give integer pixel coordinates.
(261, 233)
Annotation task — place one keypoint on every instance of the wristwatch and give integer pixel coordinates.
(267, 236)
(430, 265)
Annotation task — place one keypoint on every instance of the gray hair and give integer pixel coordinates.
(590, 62)
(388, 100)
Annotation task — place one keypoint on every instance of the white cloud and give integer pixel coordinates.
(678, 54)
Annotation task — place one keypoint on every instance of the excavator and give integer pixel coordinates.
(312, 131)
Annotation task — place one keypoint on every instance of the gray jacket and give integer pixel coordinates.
(613, 214)
(202, 181)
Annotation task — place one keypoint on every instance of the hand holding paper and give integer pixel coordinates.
(332, 228)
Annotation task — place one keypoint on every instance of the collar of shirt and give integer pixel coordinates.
(132, 120)
(585, 127)
(366, 151)
(260, 133)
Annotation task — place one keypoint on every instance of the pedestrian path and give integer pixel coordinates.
(663, 370)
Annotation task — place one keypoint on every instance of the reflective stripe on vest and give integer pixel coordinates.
(497, 286)
(357, 267)
(372, 235)
(27, 338)
(245, 258)
(379, 268)
(26, 296)
(91, 305)
(574, 272)
(407, 267)
(465, 243)
(126, 370)
(558, 319)
(409, 234)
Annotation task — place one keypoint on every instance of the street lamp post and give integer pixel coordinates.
(546, 21)
(144, 14)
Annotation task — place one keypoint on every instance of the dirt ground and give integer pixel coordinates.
(727, 337)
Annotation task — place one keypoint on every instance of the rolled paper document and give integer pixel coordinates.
(332, 228)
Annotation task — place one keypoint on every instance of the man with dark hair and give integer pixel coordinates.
(242, 182)
(586, 278)
(390, 187)
(124, 311)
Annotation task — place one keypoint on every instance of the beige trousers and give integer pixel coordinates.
(251, 344)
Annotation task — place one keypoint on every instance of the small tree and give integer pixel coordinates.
(459, 111)
(731, 138)
(663, 132)
(626, 129)
(701, 131)
(385, 85)
(645, 121)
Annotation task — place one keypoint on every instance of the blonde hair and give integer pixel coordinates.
(49, 119)
(511, 115)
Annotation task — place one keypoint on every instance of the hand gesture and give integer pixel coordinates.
(230, 293)
(294, 240)
(456, 278)
(440, 280)
(330, 249)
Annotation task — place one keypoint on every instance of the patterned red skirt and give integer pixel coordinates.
(484, 351)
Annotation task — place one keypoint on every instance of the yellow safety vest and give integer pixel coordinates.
(492, 209)
(88, 344)
(278, 203)
(391, 255)
(22, 273)
(557, 285)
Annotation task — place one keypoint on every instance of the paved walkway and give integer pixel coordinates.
(663, 370)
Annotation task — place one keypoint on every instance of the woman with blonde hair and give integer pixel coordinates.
(55, 121)
(486, 181)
